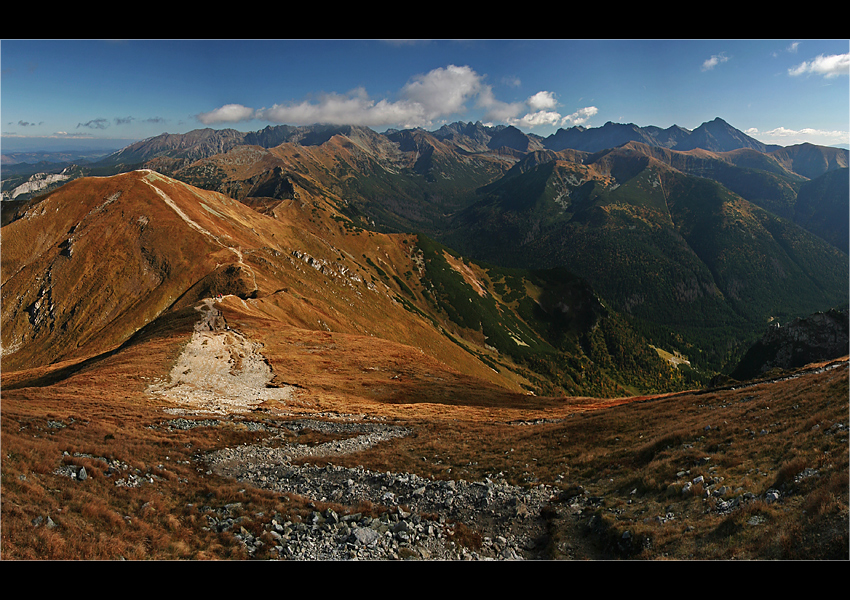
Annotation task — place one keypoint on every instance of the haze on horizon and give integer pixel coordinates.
(60, 94)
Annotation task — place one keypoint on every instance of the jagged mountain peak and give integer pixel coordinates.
(719, 136)
(716, 135)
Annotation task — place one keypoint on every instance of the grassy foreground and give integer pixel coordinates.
(652, 474)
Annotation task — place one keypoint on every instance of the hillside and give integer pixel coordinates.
(114, 255)
(698, 264)
(190, 376)
(118, 459)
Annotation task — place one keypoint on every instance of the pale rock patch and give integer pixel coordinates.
(220, 371)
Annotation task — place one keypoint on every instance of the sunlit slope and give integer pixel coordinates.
(98, 259)
(94, 261)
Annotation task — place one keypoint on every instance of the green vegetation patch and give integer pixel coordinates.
(552, 323)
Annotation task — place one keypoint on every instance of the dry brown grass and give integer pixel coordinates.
(632, 453)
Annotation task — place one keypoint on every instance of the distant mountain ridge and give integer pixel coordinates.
(716, 135)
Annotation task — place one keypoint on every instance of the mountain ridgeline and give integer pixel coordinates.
(579, 263)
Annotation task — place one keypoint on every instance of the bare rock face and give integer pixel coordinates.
(822, 336)
(36, 183)
(220, 371)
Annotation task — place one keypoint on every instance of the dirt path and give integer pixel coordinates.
(220, 371)
(191, 223)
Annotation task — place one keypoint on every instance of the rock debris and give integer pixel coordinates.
(421, 513)
(222, 373)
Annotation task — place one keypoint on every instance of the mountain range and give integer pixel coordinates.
(715, 136)
(568, 264)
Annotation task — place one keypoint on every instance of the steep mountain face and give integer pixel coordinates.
(819, 337)
(189, 146)
(821, 207)
(681, 253)
(511, 137)
(171, 152)
(719, 136)
(811, 161)
(609, 135)
(36, 183)
(716, 136)
(468, 137)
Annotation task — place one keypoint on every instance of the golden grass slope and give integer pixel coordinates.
(97, 260)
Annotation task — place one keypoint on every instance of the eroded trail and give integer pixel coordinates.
(193, 224)
(220, 371)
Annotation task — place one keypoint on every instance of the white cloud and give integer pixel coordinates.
(502, 111)
(541, 117)
(714, 61)
(354, 108)
(496, 109)
(542, 101)
(229, 113)
(443, 91)
(828, 66)
(580, 117)
(793, 47)
(553, 118)
(789, 137)
(426, 98)
(438, 93)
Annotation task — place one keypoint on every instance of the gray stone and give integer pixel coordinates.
(365, 536)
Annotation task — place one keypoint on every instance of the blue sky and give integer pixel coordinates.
(114, 92)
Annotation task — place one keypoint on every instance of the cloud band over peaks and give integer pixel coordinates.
(426, 98)
(229, 113)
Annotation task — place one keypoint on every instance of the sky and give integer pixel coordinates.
(73, 93)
